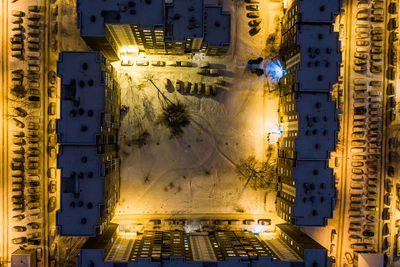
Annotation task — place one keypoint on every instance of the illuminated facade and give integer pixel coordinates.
(154, 26)
(87, 132)
(219, 248)
(308, 116)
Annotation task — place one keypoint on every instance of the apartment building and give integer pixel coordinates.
(289, 247)
(154, 26)
(310, 53)
(87, 133)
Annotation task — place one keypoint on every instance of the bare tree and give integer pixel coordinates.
(174, 116)
(257, 174)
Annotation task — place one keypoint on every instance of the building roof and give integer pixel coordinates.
(94, 14)
(320, 11)
(184, 19)
(82, 97)
(320, 57)
(82, 190)
(317, 126)
(217, 26)
(315, 193)
(23, 258)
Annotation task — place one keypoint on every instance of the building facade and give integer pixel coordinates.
(217, 248)
(87, 133)
(154, 26)
(310, 53)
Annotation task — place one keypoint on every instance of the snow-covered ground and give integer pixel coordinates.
(196, 172)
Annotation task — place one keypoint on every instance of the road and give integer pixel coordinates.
(4, 256)
(352, 123)
(38, 115)
(344, 125)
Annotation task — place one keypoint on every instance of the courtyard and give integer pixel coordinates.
(197, 171)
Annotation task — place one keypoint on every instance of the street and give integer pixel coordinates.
(361, 154)
(29, 106)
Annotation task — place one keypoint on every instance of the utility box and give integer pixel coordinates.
(368, 260)
(23, 258)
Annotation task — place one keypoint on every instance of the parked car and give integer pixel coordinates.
(361, 55)
(254, 31)
(18, 240)
(362, 43)
(16, 40)
(252, 8)
(158, 63)
(254, 22)
(33, 32)
(34, 8)
(16, 46)
(34, 241)
(18, 218)
(18, 111)
(33, 47)
(362, 14)
(360, 68)
(52, 186)
(253, 15)
(33, 40)
(17, 13)
(142, 63)
(33, 16)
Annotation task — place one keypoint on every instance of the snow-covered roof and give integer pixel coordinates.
(311, 53)
(94, 14)
(181, 19)
(82, 97)
(320, 57)
(78, 129)
(311, 57)
(184, 19)
(217, 26)
(82, 190)
(314, 11)
(315, 193)
(317, 126)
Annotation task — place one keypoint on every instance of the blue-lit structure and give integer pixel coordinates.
(274, 70)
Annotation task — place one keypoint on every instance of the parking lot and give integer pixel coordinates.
(31, 99)
(366, 99)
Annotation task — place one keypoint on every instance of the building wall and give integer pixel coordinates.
(309, 250)
(233, 248)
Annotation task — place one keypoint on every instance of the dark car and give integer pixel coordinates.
(254, 31)
(368, 233)
(254, 22)
(255, 61)
(253, 8)
(34, 241)
(253, 15)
